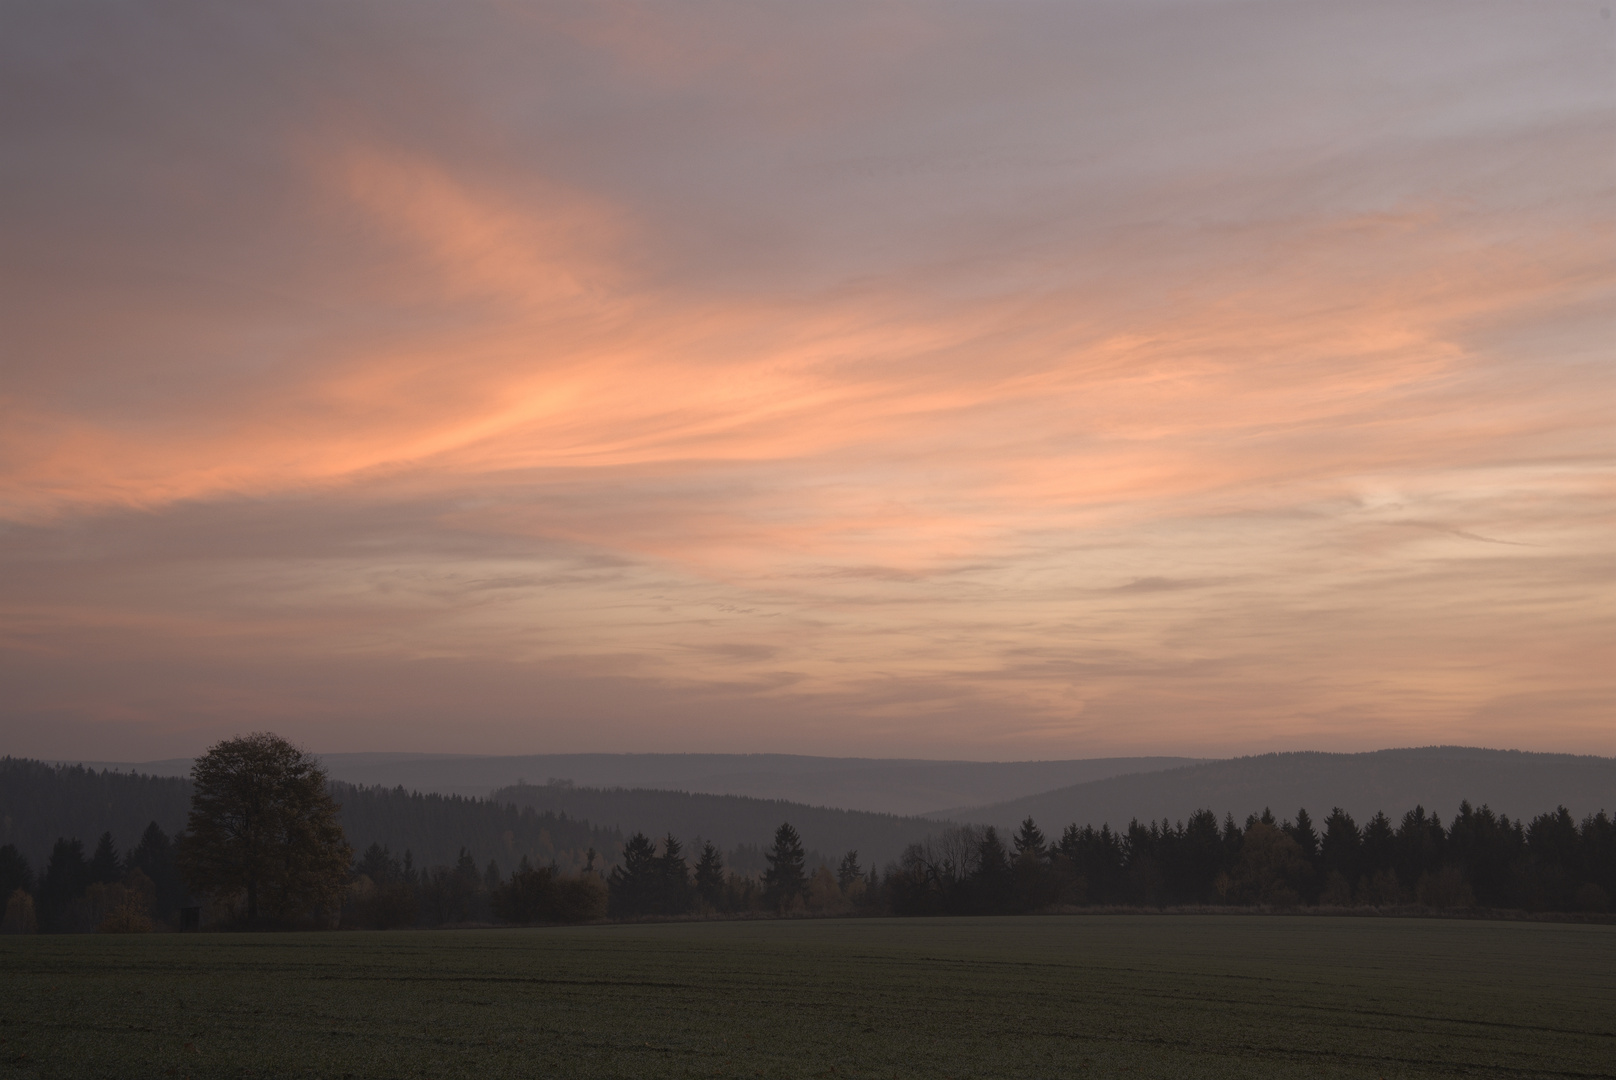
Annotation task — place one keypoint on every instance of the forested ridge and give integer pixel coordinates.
(40, 803)
(445, 860)
(736, 823)
(1479, 859)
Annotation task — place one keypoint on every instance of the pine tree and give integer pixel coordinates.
(710, 875)
(67, 875)
(991, 859)
(849, 871)
(1338, 848)
(379, 865)
(786, 878)
(1029, 839)
(105, 866)
(1306, 839)
(673, 878)
(992, 880)
(15, 873)
(154, 857)
(631, 886)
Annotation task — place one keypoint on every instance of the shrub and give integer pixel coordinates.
(19, 916)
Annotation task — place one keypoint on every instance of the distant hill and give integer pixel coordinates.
(40, 802)
(1436, 777)
(879, 785)
(730, 821)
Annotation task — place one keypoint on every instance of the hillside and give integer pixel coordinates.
(1436, 777)
(730, 821)
(878, 785)
(40, 802)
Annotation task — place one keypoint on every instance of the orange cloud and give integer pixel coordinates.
(836, 442)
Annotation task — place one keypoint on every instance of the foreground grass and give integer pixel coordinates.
(1079, 996)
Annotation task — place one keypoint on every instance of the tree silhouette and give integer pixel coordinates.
(154, 857)
(263, 827)
(104, 864)
(1029, 840)
(631, 887)
(673, 878)
(15, 873)
(67, 875)
(710, 874)
(849, 871)
(1302, 832)
(785, 878)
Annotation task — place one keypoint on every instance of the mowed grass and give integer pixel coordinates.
(1058, 996)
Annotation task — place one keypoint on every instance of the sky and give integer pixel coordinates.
(975, 380)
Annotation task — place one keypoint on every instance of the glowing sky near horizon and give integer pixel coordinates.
(932, 380)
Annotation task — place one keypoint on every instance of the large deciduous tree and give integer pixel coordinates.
(264, 827)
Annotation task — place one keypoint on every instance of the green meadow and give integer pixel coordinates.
(1055, 996)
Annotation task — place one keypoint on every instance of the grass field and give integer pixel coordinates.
(1078, 996)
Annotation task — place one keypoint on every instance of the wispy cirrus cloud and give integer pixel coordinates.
(926, 381)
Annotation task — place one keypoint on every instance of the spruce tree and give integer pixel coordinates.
(710, 875)
(1306, 839)
(1379, 851)
(1029, 839)
(630, 887)
(15, 873)
(673, 878)
(786, 878)
(991, 882)
(154, 857)
(379, 865)
(105, 866)
(849, 871)
(1338, 848)
(67, 875)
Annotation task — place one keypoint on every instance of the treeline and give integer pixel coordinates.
(52, 880)
(652, 878)
(101, 890)
(389, 892)
(1481, 859)
(436, 828)
(41, 803)
(739, 824)
(653, 881)
(416, 865)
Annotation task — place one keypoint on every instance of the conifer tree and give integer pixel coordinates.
(105, 866)
(786, 878)
(379, 865)
(710, 874)
(673, 878)
(1338, 848)
(1029, 840)
(849, 871)
(154, 857)
(631, 886)
(67, 875)
(1306, 839)
(992, 880)
(15, 873)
